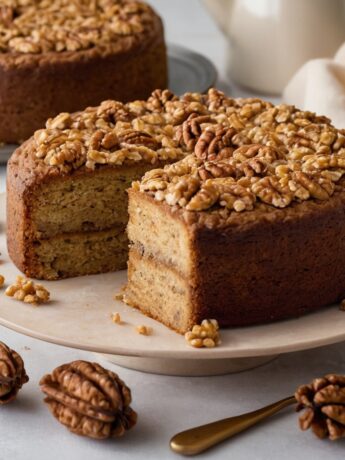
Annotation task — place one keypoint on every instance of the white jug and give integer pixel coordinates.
(271, 39)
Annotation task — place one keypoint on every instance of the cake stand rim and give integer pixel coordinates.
(188, 353)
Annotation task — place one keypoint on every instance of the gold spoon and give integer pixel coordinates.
(197, 440)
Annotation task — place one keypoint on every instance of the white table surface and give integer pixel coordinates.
(167, 405)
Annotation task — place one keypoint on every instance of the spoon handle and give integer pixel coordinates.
(196, 440)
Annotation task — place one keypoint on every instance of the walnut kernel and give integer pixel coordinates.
(204, 335)
(27, 291)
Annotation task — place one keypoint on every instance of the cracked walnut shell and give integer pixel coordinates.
(12, 374)
(323, 405)
(89, 400)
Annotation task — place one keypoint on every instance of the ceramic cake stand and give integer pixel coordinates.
(79, 316)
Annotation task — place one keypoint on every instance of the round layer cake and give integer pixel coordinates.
(65, 55)
(246, 226)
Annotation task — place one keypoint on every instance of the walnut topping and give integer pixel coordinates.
(230, 154)
(215, 143)
(204, 335)
(40, 26)
(159, 98)
(111, 134)
(27, 291)
(244, 151)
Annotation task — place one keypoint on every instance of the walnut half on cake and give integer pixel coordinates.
(249, 227)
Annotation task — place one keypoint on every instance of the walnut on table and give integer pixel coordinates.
(12, 374)
(89, 400)
(2, 281)
(323, 405)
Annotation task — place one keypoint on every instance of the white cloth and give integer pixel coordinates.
(319, 86)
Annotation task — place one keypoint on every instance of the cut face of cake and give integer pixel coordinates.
(67, 186)
(249, 227)
(75, 226)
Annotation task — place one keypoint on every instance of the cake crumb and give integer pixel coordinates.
(2, 281)
(342, 305)
(144, 330)
(119, 295)
(204, 335)
(27, 291)
(116, 318)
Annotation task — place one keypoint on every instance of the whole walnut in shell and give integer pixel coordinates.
(323, 405)
(12, 374)
(89, 400)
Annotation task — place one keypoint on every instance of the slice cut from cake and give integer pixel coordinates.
(249, 228)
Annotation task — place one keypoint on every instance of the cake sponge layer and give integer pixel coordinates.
(169, 301)
(83, 202)
(161, 236)
(78, 254)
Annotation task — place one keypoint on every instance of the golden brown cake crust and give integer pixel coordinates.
(281, 265)
(36, 84)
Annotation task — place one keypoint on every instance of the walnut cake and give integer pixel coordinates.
(249, 227)
(64, 55)
(236, 212)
